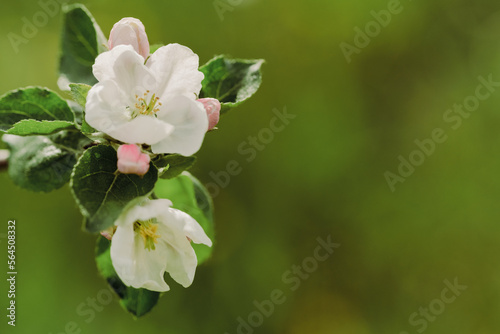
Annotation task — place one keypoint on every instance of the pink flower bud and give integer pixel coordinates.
(212, 107)
(108, 233)
(132, 161)
(130, 31)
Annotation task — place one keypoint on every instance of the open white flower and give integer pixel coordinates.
(151, 239)
(152, 102)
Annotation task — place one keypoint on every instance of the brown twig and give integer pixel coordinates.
(4, 159)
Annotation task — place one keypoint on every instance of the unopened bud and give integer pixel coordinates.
(130, 31)
(212, 107)
(108, 233)
(132, 161)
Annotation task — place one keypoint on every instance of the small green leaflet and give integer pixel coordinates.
(173, 165)
(231, 81)
(79, 93)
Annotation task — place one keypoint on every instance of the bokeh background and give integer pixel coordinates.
(323, 175)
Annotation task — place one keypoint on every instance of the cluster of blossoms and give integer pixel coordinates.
(125, 143)
(148, 103)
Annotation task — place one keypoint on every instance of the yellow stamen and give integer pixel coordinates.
(147, 229)
(142, 107)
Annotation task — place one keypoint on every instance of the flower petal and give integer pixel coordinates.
(126, 67)
(141, 130)
(105, 102)
(106, 111)
(144, 211)
(103, 66)
(190, 123)
(136, 266)
(175, 226)
(189, 226)
(122, 254)
(181, 263)
(149, 267)
(181, 259)
(176, 68)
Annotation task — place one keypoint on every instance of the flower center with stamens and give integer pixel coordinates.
(147, 230)
(146, 104)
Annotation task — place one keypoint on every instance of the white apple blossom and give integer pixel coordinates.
(151, 239)
(151, 103)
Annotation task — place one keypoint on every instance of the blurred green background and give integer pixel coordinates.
(322, 175)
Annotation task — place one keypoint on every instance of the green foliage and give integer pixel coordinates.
(34, 111)
(189, 195)
(43, 163)
(30, 127)
(82, 41)
(136, 301)
(174, 165)
(231, 81)
(79, 93)
(102, 192)
(86, 128)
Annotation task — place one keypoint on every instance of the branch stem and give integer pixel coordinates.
(4, 159)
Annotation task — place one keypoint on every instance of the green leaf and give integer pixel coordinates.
(82, 41)
(43, 163)
(102, 192)
(136, 301)
(77, 110)
(22, 108)
(80, 117)
(29, 127)
(189, 195)
(231, 81)
(86, 128)
(174, 165)
(79, 93)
